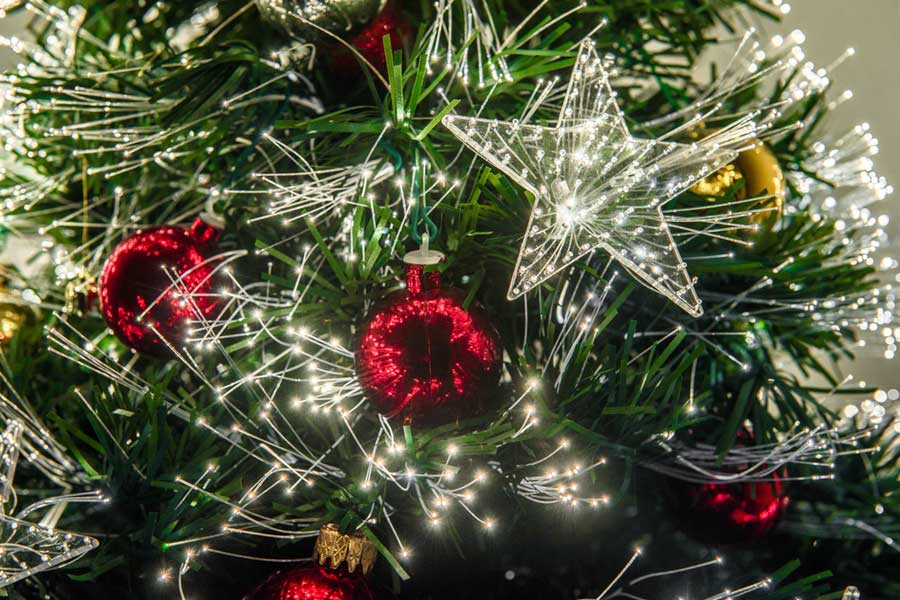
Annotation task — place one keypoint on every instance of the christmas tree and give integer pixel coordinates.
(456, 299)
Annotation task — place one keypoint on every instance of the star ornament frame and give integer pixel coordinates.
(27, 548)
(594, 184)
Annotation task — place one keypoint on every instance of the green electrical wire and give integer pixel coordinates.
(419, 216)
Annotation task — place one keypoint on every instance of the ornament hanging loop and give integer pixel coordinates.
(419, 212)
(419, 217)
(211, 214)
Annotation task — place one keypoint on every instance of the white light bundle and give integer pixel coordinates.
(808, 522)
(463, 36)
(107, 119)
(58, 53)
(477, 36)
(578, 304)
(465, 39)
(815, 450)
(311, 193)
(776, 66)
(839, 183)
(23, 188)
(322, 369)
(881, 415)
(306, 382)
(125, 132)
(37, 443)
(630, 589)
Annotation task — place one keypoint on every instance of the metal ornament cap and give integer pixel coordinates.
(851, 592)
(423, 256)
(353, 550)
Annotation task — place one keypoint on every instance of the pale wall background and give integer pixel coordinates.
(872, 27)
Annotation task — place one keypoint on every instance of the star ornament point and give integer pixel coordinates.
(28, 548)
(594, 185)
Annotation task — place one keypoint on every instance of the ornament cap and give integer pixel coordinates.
(851, 592)
(423, 257)
(338, 548)
(80, 293)
(417, 280)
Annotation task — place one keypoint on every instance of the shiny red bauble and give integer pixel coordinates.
(369, 43)
(426, 356)
(733, 513)
(315, 582)
(137, 293)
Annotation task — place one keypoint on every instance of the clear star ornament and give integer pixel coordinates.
(594, 185)
(27, 548)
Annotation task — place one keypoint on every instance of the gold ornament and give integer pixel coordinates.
(337, 547)
(719, 182)
(81, 291)
(15, 314)
(759, 170)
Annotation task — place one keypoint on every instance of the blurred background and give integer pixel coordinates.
(872, 27)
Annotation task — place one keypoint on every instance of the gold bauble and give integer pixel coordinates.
(719, 182)
(762, 176)
(15, 314)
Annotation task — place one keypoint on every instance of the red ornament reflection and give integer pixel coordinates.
(736, 512)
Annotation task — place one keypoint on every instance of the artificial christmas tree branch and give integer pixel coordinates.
(262, 426)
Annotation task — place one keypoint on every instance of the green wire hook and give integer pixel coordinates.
(419, 214)
(396, 158)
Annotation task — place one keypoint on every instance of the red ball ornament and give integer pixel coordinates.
(425, 356)
(734, 513)
(139, 274)
(314, 582)
(338, 571)
(369, 44)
